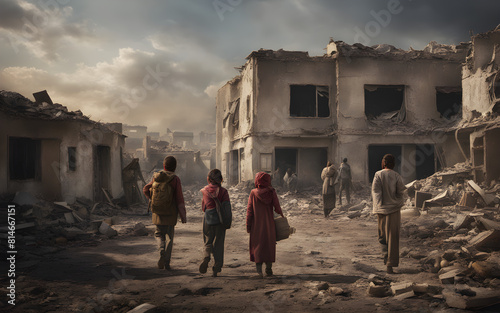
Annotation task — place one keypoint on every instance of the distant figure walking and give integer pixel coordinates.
(290, 180)
(214, 232)
(260, 223)
(387, 194)
(345, 181)
(328, 175)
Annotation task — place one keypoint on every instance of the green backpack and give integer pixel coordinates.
(162, 197)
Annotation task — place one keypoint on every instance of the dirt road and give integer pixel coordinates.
(117, 274)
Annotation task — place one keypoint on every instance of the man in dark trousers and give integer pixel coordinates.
(345, 181)
(387, 194)
(167, 203)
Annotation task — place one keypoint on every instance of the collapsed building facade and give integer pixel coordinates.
(479, 133)
(56, 154)
(289, 110)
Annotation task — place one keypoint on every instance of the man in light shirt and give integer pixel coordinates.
(387, 194)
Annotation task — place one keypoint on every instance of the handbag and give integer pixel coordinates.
(282, 228)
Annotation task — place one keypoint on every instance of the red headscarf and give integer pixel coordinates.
(264, 188)
(262, 180)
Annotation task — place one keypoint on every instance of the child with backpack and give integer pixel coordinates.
(167, 203)
(217, 218)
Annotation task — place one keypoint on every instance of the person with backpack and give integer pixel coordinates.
(214, 230)
(260, 223)
(167, 204)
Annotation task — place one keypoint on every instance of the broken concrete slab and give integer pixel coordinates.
(107, 230)
(412, 187)
(450, 276)
(420, 197)
(467, 200)
(69, 218)
(426, 288)
(354, 215)
(484, 298)
(488, 199)
(488, 224)
(406, 295)
(335, 291)
(378, 291)
(140, 230)
(462, 221)
(72, 232)
(441, 200)
(400, 288)
(143, 308)
(486, 240)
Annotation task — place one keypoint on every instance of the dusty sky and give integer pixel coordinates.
(160, 63)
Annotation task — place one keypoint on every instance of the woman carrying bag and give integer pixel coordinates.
(260, 223)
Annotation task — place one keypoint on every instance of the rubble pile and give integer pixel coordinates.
(16, 104)
(456, 230)
(47, 227)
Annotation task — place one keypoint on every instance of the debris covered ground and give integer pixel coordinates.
(101, 258)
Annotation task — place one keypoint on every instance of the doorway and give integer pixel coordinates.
(375, 155)
(102, 172)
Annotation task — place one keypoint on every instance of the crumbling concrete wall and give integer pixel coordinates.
(234, 121)
(480, 73)
(57, 181)
(264, 119)
(420, 78)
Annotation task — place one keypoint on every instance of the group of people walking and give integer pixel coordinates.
(165, 191)
(332, 177)
(167, 204)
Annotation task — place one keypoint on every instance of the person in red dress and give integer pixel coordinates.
(260, 223)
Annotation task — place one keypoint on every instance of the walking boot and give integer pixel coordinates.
(167, 266)
(161, 261)
(204, 265)
(269, 269)
(259, 269)
(161, 247)
(215, 271)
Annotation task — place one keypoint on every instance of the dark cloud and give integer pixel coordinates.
(43, 28)
(11, 14)
(195, 46)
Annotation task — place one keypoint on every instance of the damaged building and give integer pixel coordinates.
(478, 135)
(56, 154)
(289, 110)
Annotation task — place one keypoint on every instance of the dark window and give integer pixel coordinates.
(309, 101)
(24, 158)
(384, 102)
(72, 158)
(449, 101)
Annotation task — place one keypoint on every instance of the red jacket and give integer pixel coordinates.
(207, 203)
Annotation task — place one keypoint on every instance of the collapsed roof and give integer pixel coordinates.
(16, 105)
(433, 50)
